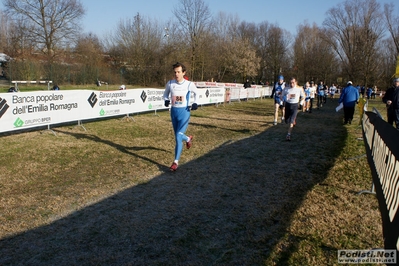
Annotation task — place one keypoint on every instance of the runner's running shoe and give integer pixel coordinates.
(189, 143)
(173, 167)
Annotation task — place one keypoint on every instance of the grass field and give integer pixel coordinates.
(242, 194)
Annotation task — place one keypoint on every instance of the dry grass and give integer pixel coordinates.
(242, 194)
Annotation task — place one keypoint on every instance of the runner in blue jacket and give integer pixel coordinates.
(349, 98)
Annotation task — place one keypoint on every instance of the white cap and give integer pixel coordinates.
(349, 82)
(122, 87)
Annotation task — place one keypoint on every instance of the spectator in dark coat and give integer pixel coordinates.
(391, 99)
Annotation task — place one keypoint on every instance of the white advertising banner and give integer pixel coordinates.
(32, 109)
(41, 108)
(253, 92)
(209, 95)
(234, 94)
(121, 102)
(210, 92)
(267, 91)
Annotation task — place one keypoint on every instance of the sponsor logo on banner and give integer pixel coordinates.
(3, 107)
(18, 122)
(113, 98)
(154, 97)
(109, 112)
(143, 96)
(214, 94)
(155, 106)
(92, 99)
(31, 122)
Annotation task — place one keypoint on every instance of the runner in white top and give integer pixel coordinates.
(293, 95)
(312, 95)
(333, 89)
(177, 93)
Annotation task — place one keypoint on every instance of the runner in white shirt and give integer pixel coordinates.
(312, 95)
(293, 95)
(333, 89)
(177, 93)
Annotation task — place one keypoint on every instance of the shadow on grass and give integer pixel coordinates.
(128, 150)
(228, 207)
(208, 126)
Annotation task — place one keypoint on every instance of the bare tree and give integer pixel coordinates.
(256, 36)
(50, 23)
(16, 45)
(138, 46)
(354, 29)
(392, 22)
(194, 17)
(89, 53)
(243, 59)
(261, 44)
(314, 58)
(389, 61)
(247, 31)
(303, 47)
(5, 29)
(277, 51)
(222, 35)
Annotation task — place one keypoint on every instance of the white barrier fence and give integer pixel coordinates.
(237, 92)
(32, 82)
(25, 110)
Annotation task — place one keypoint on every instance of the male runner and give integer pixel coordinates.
(294, 94)
(277, 92)
(177, 93)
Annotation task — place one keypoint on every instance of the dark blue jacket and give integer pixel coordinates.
(349, 96)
